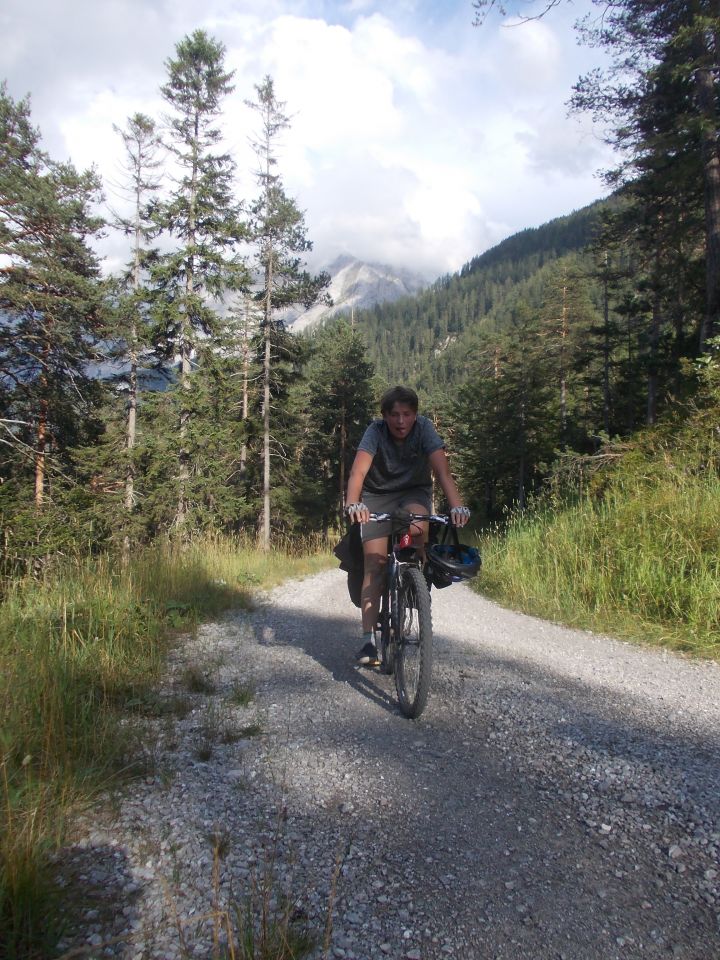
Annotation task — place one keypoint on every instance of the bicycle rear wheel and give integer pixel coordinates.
(414, 642)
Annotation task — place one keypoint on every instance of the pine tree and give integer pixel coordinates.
(604, 337)
(506, 417)
(566, 316)
(51, 300)
(278, 231)
(655, 239)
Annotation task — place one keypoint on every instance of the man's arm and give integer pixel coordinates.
(441, 468)
(361, 464)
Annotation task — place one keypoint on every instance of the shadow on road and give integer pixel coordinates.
(500, 773)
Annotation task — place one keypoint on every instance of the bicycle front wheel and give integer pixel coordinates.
(387, 647)
(414, 642)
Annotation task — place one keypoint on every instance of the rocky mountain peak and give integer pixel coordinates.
(357, 285)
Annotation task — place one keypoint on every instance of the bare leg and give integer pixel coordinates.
(375, 552)
(418, 531)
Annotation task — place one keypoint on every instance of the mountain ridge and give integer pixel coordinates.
(358, 285)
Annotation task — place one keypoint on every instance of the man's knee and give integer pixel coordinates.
(375, 564)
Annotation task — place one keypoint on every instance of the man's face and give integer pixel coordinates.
(400, 420)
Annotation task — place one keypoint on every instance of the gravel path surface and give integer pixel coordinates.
(559, 797)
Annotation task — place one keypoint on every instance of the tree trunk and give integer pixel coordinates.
(40, 454)
(606, 353)
(130, 426)
(343, 445)
(489, 499)
(186, 347)
(42, 433)
(521, 482)
(245, 376)
(130, 441)
(652, 385)
(267, 318)
(563, 372)
(265, 534)
(184, 453)
(521, 461)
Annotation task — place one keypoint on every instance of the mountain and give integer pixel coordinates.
(356, 285)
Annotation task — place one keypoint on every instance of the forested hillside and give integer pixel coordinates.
(424, 340)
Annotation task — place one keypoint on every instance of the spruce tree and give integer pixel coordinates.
(506, 416)
(292, 487)
(566, 316)
(202, 219)
(142, 169)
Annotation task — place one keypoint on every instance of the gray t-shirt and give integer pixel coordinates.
(399, 466)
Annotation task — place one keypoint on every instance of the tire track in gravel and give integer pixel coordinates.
(559, 797)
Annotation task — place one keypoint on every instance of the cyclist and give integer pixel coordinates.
(393, 469)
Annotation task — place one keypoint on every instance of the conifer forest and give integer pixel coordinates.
(171, 399)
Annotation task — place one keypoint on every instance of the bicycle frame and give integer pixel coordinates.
(398, 557)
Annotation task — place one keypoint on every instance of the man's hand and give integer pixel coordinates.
(459, 516)
(357, 513)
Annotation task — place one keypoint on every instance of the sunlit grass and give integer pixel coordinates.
(80, 651)
(642, 561)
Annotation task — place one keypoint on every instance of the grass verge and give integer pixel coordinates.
(640, 562)
(78, 650)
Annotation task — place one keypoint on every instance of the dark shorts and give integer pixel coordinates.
(386, 503)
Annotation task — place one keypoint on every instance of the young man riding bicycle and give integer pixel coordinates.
(393, 469)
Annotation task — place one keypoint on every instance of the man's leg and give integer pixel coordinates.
(418, 530)
(375, 554)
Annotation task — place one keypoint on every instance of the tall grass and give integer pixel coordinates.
(642, 560)
(75, 648)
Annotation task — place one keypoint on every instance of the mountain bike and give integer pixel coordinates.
(405, 619)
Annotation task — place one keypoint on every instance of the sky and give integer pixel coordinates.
(417, 140)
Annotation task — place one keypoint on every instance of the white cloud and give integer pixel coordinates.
(558, 147)
(415, 139)
(535, 52)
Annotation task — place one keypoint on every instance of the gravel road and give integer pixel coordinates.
(559, 797)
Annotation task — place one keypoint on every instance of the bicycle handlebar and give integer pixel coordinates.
(432, 517)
